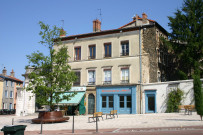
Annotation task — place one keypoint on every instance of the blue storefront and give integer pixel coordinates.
(121, 98)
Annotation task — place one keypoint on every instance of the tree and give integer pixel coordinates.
(186, 38)
(51, 75)
(198, 94)
(186, 45)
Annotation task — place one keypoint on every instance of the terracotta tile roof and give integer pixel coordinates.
(10, 77)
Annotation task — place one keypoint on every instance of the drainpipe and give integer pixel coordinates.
(140, 60)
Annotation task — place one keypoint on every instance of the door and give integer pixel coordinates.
(91, 104)
(125, 104)
(150, 102)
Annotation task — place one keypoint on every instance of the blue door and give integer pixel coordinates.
(125, 104)
(150, 101)
(107, 103)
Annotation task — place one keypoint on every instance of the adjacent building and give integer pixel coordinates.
(113, 64)
(8, 89)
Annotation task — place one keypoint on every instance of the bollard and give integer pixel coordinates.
(73, 125)
(12, 121)
(96, 124)
(41, 127)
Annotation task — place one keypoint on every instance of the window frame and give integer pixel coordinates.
(92, 52)
(94, 77)
(126, 51)
(78, 80)
(125, 81)
(6, 93)
(77, 53)
(107, 50)
(106, 74)
(11, 94)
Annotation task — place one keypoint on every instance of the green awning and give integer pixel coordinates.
(75, 100)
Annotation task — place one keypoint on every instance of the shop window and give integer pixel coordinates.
(107, 76)
(107, 49)
(92, 52)
(110, 101)
(78, 53)
(128, 101)
(103, 101)
(77, 82)
(125, 75)
(121, 101)
(125, 48)
(92, 75)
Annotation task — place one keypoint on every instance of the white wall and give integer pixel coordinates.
(162, 90)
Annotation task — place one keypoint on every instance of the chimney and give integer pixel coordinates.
(144, 16)
(4, 71)
(62, 33)
(96, 25)
(12, 73)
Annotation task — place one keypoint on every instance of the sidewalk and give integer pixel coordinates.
(123, 122)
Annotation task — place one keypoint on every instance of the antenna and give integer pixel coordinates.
(62, 23)
(100, 14)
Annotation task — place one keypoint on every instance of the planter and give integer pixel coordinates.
(50, 117)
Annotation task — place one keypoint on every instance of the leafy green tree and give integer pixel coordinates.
(186, 45)
(186, 38)
(52, 75)
(198, 94)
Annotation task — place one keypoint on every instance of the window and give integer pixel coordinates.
(91, 77)
(103, 101)
(6, 93)
(107, 76)
(107, 49)
(110, 101)
(125, 48)
(11, 94)
(92, 52)
(11, 83)
(121, 101)
(125, 75)
(6, 83)
(128, 101)
(5, 105)
(11, 106)
(78, 53)
(77, 81)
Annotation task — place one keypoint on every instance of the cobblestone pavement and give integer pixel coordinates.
(130, 121)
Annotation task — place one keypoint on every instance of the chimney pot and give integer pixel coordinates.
(144, 16)
(12, 73)
(4, 71)
(96, 25)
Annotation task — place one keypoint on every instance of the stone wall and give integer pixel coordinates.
(149, 46)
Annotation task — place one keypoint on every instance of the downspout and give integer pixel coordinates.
(140, 60)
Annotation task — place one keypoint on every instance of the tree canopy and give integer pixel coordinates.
(52, 75)
(186, 37)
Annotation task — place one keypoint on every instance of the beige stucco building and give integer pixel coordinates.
(118, 58)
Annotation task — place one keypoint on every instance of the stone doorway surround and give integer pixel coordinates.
(90, 90)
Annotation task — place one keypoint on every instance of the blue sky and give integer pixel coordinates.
(19, 28)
